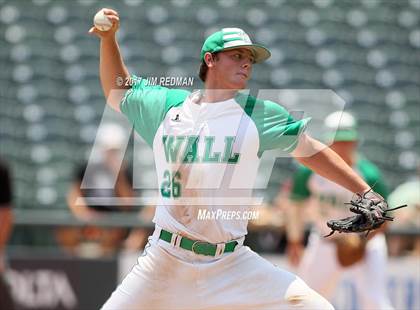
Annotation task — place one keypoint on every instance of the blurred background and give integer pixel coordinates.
(51, 105)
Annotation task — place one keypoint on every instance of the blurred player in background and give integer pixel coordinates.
(99, 179)
(201, 264)
(318, 199)
(408, 193)
(6, 224)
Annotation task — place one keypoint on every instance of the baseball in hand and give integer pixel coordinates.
(101, 21)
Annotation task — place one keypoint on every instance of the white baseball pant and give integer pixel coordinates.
(166, 277)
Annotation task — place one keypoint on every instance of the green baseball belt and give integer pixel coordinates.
(198, 247)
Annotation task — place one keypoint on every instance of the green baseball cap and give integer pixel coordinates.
(231, 38)
(341, 126)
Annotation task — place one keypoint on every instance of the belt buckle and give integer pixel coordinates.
(198, 242)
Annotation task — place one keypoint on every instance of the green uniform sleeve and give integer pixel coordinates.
(300, 189)
(373, 177)
(277, 129)
(146, 106)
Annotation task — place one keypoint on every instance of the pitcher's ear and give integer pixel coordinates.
(209, 59)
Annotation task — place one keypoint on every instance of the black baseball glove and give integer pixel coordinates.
(371, 212)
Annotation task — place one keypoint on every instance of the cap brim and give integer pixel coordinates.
(260, 52)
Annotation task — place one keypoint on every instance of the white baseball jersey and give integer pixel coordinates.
(207, 154)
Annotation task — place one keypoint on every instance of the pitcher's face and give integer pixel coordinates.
(234, 67)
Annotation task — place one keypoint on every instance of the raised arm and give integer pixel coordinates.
(325, 162)
(113, 72)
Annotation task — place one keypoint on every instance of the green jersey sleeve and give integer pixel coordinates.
(277, 129)
(300, 189)
(372, 176)
(146, 106)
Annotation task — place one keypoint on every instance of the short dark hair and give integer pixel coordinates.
(202, 73)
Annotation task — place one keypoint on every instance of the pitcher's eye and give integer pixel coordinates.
(237, 56)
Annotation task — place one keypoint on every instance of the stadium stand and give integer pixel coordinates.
(51, 100)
